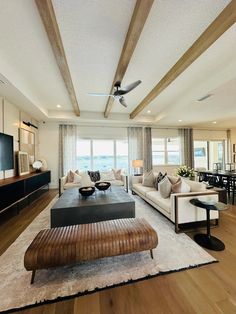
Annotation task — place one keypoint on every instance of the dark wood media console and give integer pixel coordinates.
(16, 189)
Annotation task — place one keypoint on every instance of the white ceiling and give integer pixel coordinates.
(93, 33)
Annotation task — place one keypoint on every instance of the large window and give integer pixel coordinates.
(206, 153)
(165, 151)
(102, 155)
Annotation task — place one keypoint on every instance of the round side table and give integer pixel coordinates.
(207, 240)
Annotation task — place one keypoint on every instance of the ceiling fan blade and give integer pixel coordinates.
(100, 94)
(131, 86)
(122, 102)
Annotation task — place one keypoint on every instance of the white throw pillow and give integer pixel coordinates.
(181, 186)
(164, 187)
(107, 176)
(77, 178)
(85, 180)
(117, 173)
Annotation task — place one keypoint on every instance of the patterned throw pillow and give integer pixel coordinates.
(158, 179)
(94, 175)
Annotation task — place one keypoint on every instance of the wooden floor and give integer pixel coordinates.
(205, 290)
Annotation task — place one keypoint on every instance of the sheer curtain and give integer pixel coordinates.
(135, 143)
(186, 144)
(147, 156)
(68, 136)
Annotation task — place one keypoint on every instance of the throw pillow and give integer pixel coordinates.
(85, 180)
(158, 179)
(70, 176)
(164, 187)
(77, 178)
(107, 176)
(117, 173)
(148, 179)
(180, 187)
(94, 175)
(173, 179)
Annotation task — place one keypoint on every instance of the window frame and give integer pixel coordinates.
(166, 151)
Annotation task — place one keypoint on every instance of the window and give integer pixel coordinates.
(102, 155)
(165, 151)
(84, 154)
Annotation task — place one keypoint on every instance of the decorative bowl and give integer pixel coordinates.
(102, 186)
(87, 190)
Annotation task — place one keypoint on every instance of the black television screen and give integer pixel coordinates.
(6, 152)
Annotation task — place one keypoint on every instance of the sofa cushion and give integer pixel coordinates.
(181, 186)
(148, 179)
(142, 189)
(156, 198)
(165, 187)
(70, 185)
(173, 179)
(94, 175)
(195, 186)
(114, 182)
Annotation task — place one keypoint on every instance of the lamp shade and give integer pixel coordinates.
(137, 163)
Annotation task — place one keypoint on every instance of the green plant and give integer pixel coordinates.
(185, 171)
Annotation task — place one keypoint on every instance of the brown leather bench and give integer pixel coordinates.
(69, 245)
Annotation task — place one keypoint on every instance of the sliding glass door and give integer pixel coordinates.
(206, 153)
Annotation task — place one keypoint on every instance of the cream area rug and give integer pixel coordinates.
(174, 252)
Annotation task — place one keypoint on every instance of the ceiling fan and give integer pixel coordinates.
(119, 92)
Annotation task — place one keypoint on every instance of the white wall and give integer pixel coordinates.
(49, 149)
(10, 121)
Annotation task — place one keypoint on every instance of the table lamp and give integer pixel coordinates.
(137, 164)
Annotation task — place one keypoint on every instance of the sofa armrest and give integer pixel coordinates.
(182, 211)
(62, 182)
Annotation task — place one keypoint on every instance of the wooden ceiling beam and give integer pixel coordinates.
(48, 17)
(139, 17)
(220, 25)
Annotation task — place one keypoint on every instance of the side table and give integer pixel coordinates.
(207, 240)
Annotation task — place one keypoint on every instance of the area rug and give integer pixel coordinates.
(174, 252)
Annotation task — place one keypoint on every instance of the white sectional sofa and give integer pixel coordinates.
(177, 207)
(64, 184)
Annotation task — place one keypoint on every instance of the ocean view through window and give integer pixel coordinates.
(102, 155)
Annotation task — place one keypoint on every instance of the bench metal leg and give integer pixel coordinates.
(151, 254)
(32, 277)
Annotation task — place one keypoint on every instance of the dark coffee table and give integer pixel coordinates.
(74, 209)
(207, 240)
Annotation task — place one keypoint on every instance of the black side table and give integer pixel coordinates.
(207, 240)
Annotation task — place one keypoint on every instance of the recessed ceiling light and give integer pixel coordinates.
(180, 120)
(214, 122)
(58, 106)
(149, 111)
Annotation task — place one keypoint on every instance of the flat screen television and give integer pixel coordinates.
(6, 152)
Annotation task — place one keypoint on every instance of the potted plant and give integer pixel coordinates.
(185, 171)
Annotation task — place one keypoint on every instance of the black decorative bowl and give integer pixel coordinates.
(87, 190)
(102, 186)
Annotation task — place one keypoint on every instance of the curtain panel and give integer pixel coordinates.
(68, 136)
(147, 154)
(186, 144)
(135, 144)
